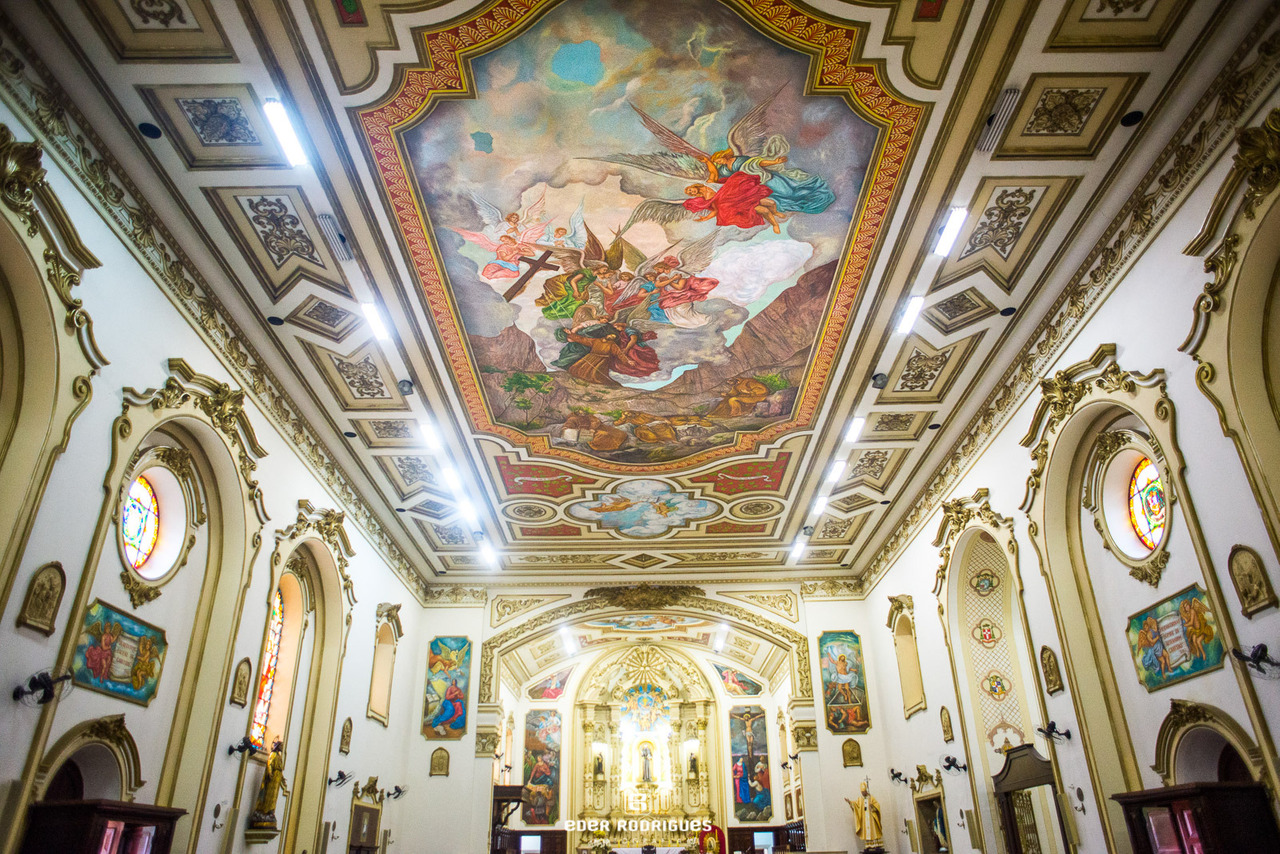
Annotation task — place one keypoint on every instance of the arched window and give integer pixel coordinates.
(1146, 503)
(384, 662)
(280, 653)
(270, 667)
(140, 522)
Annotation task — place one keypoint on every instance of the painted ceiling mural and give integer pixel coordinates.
(634, 239)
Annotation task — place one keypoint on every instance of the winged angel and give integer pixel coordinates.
(507, 237)
(753, 186)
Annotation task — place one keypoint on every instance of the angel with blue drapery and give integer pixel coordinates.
(753, 187)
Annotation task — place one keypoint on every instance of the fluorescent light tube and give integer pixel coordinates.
(912, 312)
(819, 504)
(449, 475)
(374, 317)
(837, 469)
(488, 555)
(467, 511)
(855, 429)
(278, 116)
(797, 550)
(950, 231)
(429, 434)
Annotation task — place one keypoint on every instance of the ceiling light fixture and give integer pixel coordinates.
(449, 475)
(372, 315)
(837, 469)
(289, 143)
(855, 429)
(467, 512)
(910, 314)
(721, 635)
(797, 550)
(488, 554)
(819, 504)
(950, 231)
(429, 435)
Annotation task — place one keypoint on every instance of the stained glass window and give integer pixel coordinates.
(140, 522)
(270, 663)
(1146, 503)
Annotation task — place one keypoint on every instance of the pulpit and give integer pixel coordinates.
(99, 827)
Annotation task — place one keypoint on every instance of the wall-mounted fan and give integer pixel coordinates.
(42, 688)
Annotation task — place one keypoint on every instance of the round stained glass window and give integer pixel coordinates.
(140, 522)
(1146, 503)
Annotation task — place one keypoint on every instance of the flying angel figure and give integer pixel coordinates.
(754, 187)
(667, 285)
(507, 237)
(573, 237)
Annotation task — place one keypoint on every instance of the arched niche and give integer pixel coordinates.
(106, 757)
(1191, 740)
(313, 552)
(988, 637)
(196, 427)
(902, 623)
(48, 355)
(387, 634)
(1235, 334)
(1074, 422)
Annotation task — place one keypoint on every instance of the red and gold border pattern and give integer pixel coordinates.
(446, 75)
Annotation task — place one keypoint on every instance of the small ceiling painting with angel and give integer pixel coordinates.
(642, 252)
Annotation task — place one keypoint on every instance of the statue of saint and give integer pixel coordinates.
(264, 808)
(646, 764)
(866, 818)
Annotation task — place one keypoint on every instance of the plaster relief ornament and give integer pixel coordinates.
(947, 734)
(240, 683)
(1049, 668)
(44, 595)
(1251, 581)
(643, 508)
(344, 743)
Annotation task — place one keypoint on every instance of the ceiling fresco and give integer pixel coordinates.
(640, 264)
(629, 235)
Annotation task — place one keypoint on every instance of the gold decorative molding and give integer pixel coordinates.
(780, 602)
(806, 736)
(506, 608)
(31, 91)
(1149, 567)
(924, 780)
(140, 593)
(328, 525)
(834, 588)
(487, 742)
(1244, 81)
(44, 596)
(959, 514)
(903, 604)
(390, 614)
(1253, 586)
(454, 595)
(644, 596)
(1186, 715)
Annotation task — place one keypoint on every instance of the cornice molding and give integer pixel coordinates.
(1236, 91)
(29, 89)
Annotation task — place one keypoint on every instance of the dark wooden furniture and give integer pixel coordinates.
(1200, 818)
(82, 827)
(1025, 770)
(743, 838)
(506, 800)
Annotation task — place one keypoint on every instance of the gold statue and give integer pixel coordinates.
(866, 819)
(264, 808)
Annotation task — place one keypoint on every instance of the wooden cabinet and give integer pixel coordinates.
(1200, 818)
(99, 827)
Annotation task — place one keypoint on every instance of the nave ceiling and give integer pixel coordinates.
(600, 422)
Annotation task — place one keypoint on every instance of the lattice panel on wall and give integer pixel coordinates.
(991, 665)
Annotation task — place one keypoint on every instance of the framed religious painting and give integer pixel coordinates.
(444, 710)
(1175, 639)
(119, 655)
(844, 682)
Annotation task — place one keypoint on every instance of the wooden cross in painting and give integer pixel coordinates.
(536, 265)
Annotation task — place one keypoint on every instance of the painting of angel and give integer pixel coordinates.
(681, 215)
(507, 237)
(118, 654)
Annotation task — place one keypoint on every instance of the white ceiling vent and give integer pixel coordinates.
(336, 239)
(998, 119)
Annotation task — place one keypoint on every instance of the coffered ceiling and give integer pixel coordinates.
(632, 356)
